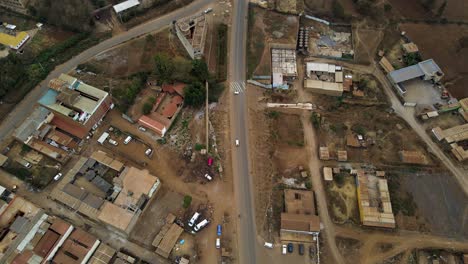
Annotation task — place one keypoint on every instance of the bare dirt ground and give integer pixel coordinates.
(410, 9)
(456, 10)
(366, 41)
(136, 55)
(447, 53)
(275, 136)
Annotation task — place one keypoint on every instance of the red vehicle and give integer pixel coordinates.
(210, 161)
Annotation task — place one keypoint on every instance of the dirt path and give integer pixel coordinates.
(314, 167)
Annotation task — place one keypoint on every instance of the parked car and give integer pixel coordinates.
(218, 230)
(193, 219)
(290, 247)
(141, 128)
(201, 225)
(148, 152)
(113, 142)
(218, 243)
(58, 176)
(301, 249)
(283, 250)
(208, 177)
(237, 142)
(236, 92)
(210, 161)
(127, 140)
(311, 251)
(24, 163)
(208, 10)
(268, 245)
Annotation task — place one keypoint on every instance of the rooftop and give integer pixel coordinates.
(427, 67)
(299, 201)
(125, 5)
(169, 240)
(284, 61)
(14, 42)
(104, 159)
(70, 97)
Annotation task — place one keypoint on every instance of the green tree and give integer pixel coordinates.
(194, 94)
(147, 108)
(338, 10)
(187, 201)
(388, 7)
(200, 70)
(184, 70)
(164, 67)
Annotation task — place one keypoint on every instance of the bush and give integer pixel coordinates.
(147, 107)
(359, 130)
(221, 57)
(308, 185)
(315, 118)
(187, 201)
(339, 179)
(164, 67)
(199, 146)
(387, 7)
(273, 114)
(194, 94)
(337, 9)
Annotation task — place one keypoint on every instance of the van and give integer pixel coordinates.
(148, 152)
(268, 245)
(58, 176)
(218, 243)
(193, 219)
(127, 140)
(218, 230)
(283, 250)
(25, 163)
(201, 225)
(113, 142)
(208, 177)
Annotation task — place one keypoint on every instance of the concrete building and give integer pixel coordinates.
(31, 236)
(457, 138)
(18, 6)
(426, 70)
(77, 107)
(117, 201)
(299, 222)
(192, 33)
(375, 208)
(324, 78)
(283, 66)
(412, 157)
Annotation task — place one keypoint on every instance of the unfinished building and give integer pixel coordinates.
(283, 67)
(457, 138)
(375, 208)
(324, 78)
(192, 33)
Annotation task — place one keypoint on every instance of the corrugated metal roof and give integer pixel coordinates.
(125, 5)
(405, 74)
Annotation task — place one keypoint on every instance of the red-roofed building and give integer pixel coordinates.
(69, 126)
(46, 243)
(174, 88)
(152, 124)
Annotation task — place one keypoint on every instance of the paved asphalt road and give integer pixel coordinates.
(247, 245)
(24, 108)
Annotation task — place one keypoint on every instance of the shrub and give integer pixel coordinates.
(187, 201)
(273, 114)
(199, 146)
(147, 107)
(315, 118)
(308, 185)
(338, 10)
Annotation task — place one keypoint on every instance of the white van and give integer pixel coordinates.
(237, 142)
(193, 219)
(268, 245)
(218, 243)
(284, 250)
(208, 177)
(127, 140)
(201, 225)
(113, 142)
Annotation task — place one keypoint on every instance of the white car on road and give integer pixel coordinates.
(237, 142)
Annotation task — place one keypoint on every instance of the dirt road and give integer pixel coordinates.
(314, 167)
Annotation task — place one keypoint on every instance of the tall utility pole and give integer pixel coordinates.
(207, 118)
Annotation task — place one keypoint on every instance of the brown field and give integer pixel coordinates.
(273, 139)
(447, 53)
(410, 9)
(456, 10)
